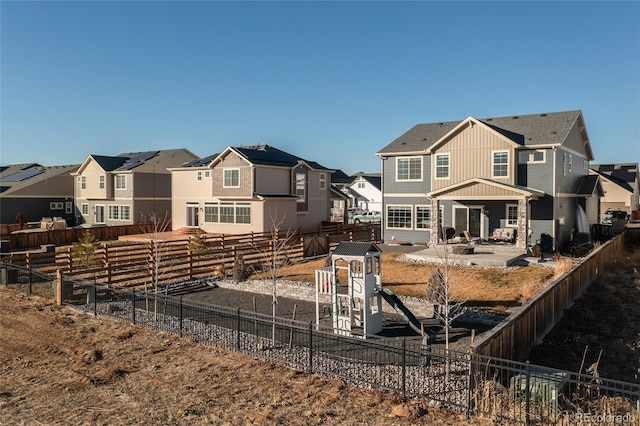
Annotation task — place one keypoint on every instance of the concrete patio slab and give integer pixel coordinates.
(482, 255)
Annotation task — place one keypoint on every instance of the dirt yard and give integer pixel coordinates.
(61, 366)
(490, 289)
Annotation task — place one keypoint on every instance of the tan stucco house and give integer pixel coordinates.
(621, 184)
(249, 189)
(128, 188)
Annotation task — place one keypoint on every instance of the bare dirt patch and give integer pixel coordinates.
(62, 366)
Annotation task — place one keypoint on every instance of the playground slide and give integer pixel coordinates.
(397, 304)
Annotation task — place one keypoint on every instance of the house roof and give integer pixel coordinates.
(260, 155)
(340, 177)
(127, 161)
(374, 179)
(522, 190)
(623, 174)
(19, 176)
(589, 185)
(525, 130)
(336, 192)
(351, 248)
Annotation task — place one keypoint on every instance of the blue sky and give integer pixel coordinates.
(331, 82)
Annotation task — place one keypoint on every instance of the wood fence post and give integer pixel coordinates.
(59, 287)
(190, 259)
(69, 260)
(107, 268)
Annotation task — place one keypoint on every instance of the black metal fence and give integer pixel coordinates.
(478, 385)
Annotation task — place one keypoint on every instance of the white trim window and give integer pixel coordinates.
(83, 182)
(243, 213)
(409, 169)
(537, 156)
(399, 217)
(500, 164)
(199, 175)
(211, 213)
(570, 163)
(120, 182)
(101, 181)
(511, 215)
(423, 217)
(207, 174)
(227, 211)
(442, 162)
(125, 212)
(68, 207)
(84, 208)
(55, 205)
(360, 185)
(231, 178)
(301, 185)
(323, 181)
(114, 212)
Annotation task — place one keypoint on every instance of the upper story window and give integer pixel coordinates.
(231, 178)
(360, 185)
(442, 166)
(207, 174)
(323, 181)
(570, 163)
(83, 182)
(500, 165)
(101, 181)
(301, 183)
(121, 181)
(564, 163)
(199, 175)
(409, 168)
(532, 157)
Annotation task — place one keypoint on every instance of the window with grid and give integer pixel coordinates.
(226, 213)
(121, 181)
(301, 184)
(442, 166)
(56, 206)
(231, 178)
(323, 181)
(512, 215)
(125, 212)
(199, 175)
(243, 213)
(84, 208)
(500, 164)
(211, 212)
(113, 213)
(423, 217)
(101, 181)
(398, 216)
(83, 182)
(409, 168)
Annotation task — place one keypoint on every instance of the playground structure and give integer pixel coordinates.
(358, 311)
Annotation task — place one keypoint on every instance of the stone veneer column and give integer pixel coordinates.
(435, 211)
(521, 238)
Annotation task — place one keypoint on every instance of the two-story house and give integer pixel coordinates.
(32, 191)
(250, 189)
(476, 175)
(621, 184)
(128, 188)
(365, 191)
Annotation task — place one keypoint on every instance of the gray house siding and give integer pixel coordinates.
(34, 209)
(536, 175)
(392, 186)
(405, 234)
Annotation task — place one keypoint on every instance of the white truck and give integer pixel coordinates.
(367, 217)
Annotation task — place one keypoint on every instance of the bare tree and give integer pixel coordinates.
(159, 260)
(275, 257)
(443, 291)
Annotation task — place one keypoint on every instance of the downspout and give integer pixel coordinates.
(383, 201)
(555, 195)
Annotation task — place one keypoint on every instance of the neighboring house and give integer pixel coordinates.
(250, 189)
(126, 189)
(339, 204)
(366, 192)
(477, 175)
(621, 184)
(35, 192)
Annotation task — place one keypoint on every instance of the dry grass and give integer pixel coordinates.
(59, 366)
(493, 289)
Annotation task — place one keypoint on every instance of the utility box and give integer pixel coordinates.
(546, 388)
(8, 276)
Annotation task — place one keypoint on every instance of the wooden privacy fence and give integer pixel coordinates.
(36, 238)
(127, 264)
(521, 331)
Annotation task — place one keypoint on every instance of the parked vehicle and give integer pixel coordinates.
(367, 217)
(612, 215)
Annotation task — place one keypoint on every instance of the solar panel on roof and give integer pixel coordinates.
(137, 159)
(4, 188)
(22, 175)
(3, 168)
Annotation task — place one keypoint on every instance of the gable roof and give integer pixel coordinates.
(17, 177)
(375, 179)
(589, 185)
(263, 155)
(126, 161)
(525, 130)
(352, 248)
(340, 177)
(521, 190)
(623, 174)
